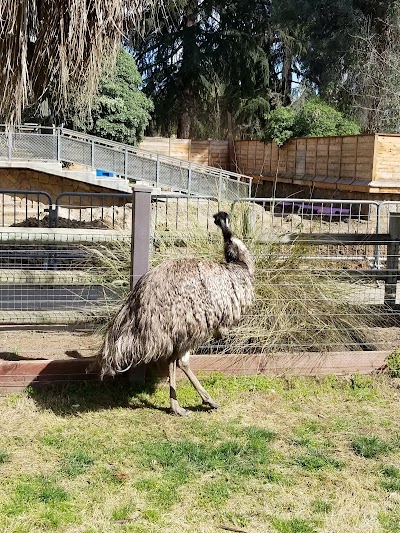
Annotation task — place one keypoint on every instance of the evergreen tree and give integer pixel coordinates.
(120, 111)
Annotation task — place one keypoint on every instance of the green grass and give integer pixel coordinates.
(314, 460)
(294, 525)
(391, 481)
(76, 463)
(3, 456)
(284, 455)
(369, 446)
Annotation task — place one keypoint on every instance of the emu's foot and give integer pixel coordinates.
(178, 410)
(211, 403)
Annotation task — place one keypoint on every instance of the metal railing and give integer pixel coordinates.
(84, 277)
(122, 161)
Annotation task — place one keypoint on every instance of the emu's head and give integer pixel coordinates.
(221, 219)
(235, 250)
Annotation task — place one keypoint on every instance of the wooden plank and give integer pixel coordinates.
(18, 375)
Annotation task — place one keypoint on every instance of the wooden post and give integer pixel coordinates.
(392, 263)
(141, 222)
(231, 148)
(140, 254)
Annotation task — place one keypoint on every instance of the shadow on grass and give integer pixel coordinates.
(71, 399)
(68, 399)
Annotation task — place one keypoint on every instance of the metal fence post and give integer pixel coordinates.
(92, 154)
(58, 144)
(126, 164)
(220, 186)
(141, 223)
(9, 144)
(158, 170)
(189, 177)
(250, 186)
(392, 263)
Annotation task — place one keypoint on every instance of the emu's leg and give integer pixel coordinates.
(183, 364)
(175, 407)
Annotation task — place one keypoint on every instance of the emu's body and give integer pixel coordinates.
(175, 307)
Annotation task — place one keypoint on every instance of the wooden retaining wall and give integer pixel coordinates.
(16, 375)
(365, 164)
(212, 153)
(350, 157)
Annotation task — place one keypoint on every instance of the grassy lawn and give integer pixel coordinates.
(288, 456)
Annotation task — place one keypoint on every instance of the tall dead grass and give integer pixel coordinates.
(295, 308)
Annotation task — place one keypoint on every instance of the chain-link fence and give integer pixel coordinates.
(122, 161)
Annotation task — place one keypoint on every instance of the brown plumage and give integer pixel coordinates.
(178, 305)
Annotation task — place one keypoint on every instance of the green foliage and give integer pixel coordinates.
(3, 456)
(369, 446)
(293, 525)
(280, 125)
(206, 60)
(393, 363)
(312, 119)
(391, 483)
(120, 110)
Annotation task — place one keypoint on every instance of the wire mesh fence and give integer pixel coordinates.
(122, 161)
(63, 280)
(316, 290)
(311, 295)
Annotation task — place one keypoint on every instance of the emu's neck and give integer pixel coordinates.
(235, 250)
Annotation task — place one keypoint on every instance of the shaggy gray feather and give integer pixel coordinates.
(178, 305)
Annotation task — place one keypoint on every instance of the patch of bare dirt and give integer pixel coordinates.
(33, 222)
(47, 344)
(50, 344)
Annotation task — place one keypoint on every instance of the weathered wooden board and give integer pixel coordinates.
(315, 158)
(212, 153)
(16, 375)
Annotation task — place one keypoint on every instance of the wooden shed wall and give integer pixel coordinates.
(212, 153)
(387, 158)
(347, 157)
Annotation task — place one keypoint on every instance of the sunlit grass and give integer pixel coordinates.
(278, 456)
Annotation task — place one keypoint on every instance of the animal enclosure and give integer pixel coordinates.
(322, 267)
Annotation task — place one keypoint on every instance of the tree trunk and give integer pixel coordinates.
(186, 71)
(184, 125)
(286, 76)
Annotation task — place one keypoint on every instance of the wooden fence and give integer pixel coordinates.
(212, 153)
(356, 160)
(349, 162)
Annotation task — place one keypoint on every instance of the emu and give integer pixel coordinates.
(175, 307)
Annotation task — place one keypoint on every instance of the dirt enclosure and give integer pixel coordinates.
(25, 344)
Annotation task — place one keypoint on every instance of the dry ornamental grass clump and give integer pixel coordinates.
(298, 306)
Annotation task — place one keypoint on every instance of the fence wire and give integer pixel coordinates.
(310, 295)
(62, 283)
(122, 161)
